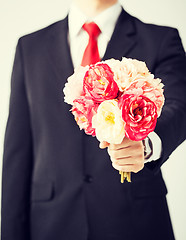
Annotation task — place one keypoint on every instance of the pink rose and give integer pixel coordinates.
(84, 108)
(99, 83)
(151, 89)
(127, 71)
(74, 85)
(140, 115)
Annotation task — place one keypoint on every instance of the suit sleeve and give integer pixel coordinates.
(171, 68)
(17, 160)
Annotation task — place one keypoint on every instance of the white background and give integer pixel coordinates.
(19, 17)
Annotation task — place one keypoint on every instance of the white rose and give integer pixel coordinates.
(108, 122)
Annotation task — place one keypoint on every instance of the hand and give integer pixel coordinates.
(127, 156)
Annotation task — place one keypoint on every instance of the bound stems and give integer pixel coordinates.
(125, 175)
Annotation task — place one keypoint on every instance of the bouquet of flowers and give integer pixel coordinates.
(114, 99)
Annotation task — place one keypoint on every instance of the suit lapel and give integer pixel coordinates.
(123, 38)
(61, 62)
(59, 51)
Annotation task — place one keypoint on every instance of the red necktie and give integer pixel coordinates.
(91, 54)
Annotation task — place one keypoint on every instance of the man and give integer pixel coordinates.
(57, 182)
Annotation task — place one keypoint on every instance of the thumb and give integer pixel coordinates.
(103, 144)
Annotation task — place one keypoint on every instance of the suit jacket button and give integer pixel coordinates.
(88, 179)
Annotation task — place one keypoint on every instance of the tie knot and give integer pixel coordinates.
(92, 29)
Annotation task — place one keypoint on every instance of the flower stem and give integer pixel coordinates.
(122, 177)
(128, 177)
(125, 175)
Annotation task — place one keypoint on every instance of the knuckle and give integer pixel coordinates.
(114, 161)
(112, 146)
(140, 149)
(141, 166)
(122, 168)
(116, 166)
(119, 163)
(114, 154)
(141, 155)
(138, 167)
(139, 145)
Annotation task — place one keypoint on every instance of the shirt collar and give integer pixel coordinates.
(104, 20)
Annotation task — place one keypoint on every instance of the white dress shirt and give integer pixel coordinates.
(78, 40)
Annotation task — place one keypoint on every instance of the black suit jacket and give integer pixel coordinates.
(57, 183)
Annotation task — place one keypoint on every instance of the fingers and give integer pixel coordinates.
(127, 156)
(125, 143)
(126, 160)
(129, 168)
(135, 149)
